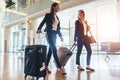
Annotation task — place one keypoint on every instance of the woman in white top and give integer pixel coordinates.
(52, 29)
(81, 38)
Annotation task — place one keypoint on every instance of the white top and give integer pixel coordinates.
(55, 23)
(85, 27)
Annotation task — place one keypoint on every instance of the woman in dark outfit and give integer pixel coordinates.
(80, 38)
(52, 29)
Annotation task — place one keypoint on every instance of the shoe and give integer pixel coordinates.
(81, 69)
(90, 69)
(62, 71)
(47, 69)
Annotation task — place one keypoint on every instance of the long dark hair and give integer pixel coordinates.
(52, 9)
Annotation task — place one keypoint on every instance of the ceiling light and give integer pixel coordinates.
(57, 1)
(13, 11)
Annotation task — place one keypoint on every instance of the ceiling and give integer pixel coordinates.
(37, 9)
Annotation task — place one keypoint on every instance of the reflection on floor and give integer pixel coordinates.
(12, 68)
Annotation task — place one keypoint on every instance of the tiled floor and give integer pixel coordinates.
(12, 68)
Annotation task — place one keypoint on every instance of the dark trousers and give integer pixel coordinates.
(51, 38)
(80, 44)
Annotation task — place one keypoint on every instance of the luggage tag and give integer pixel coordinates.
(43, 67)
(40, 50)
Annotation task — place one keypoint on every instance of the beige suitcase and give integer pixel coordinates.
(64, 55)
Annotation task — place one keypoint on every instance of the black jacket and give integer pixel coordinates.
(49, 22)
(79, 30)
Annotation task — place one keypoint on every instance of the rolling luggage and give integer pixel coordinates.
(64, 54)
(35, 60)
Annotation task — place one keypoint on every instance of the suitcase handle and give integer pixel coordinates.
(71, 49)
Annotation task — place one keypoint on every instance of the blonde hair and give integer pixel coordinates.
(82, 11)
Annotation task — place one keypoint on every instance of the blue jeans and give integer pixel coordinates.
(51, 38)
(80, 43)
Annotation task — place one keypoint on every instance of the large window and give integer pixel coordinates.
(100, 15)
(17, 38)
(102, 18)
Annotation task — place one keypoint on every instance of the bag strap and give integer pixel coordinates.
(90, 33)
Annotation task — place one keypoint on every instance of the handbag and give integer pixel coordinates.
(91, 39)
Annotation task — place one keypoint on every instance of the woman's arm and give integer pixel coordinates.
(88, 27)
(75, 32)
(59, 32)
(42, 23)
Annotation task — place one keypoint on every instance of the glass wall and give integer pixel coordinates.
(17, 38)
(102, 20)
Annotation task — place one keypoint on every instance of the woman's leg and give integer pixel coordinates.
(79, 50)
(49, 56)
(52, 42)
(89, 52)
(51, 37)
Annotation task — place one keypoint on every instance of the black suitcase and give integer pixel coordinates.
(35, 59)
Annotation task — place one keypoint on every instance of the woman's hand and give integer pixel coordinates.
(38, 31)
(61, 39)
(75, 42)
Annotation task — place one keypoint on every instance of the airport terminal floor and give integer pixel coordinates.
(12, 68)
(18, 30)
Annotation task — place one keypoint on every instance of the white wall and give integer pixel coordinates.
(118, 15)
